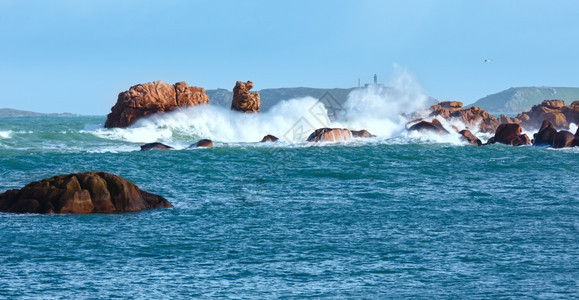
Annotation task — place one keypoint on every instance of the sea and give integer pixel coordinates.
(399, 215)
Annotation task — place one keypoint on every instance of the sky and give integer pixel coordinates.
(76, 56)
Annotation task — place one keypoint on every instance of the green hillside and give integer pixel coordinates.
(519, 99)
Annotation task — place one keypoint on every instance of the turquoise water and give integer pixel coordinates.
(383, 218)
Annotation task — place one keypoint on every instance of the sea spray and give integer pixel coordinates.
(5, 134)
(223, 125)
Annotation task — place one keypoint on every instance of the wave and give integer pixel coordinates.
(5, 134)
(375, 108)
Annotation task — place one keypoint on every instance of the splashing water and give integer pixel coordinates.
(375, 108)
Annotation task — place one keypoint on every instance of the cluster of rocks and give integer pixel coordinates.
(553, 110)
(80, 193)
(508, 134)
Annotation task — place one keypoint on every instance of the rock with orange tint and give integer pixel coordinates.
(552, 110)
(80, 193)
(510, 134)
(203, 143)
(471, 117)
(244, 100)
(330, 135)
(153, 97)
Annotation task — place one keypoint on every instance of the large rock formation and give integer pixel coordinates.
(510, 134)
(83, 193)
(153, 97)
(553, 110)
(243, 100)
(330, 135)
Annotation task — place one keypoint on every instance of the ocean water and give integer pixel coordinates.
(396, 216)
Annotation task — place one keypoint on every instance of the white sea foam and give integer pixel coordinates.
(375, 108)
(5, 134)
(573, 128)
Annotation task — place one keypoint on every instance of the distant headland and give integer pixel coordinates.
(9, 112)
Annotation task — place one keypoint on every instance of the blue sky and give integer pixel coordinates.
(76, 56)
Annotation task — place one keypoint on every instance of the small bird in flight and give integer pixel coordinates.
(488, 60)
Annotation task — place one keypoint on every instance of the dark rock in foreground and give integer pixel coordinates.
(269, 138)
(510, 134)
(80, 193)
(155, 146)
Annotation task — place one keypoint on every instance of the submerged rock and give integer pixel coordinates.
(155, 146)
(243, 100)
(153, 97)
(361, 133)
(80, 193)
(269, 138)
(510, 134)
(204, 143)
(330, 135)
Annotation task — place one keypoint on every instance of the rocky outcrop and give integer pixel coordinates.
(471, 117)
(204, 143)
(510, 134)
(545, 135)
(553, 110)
(269, 138)
(155, 146)
(80, 193)
(433, 126)
(564, 139)
(153, 97)
(466, 135)
(330, 135)
(243, 100)
(361, 133)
